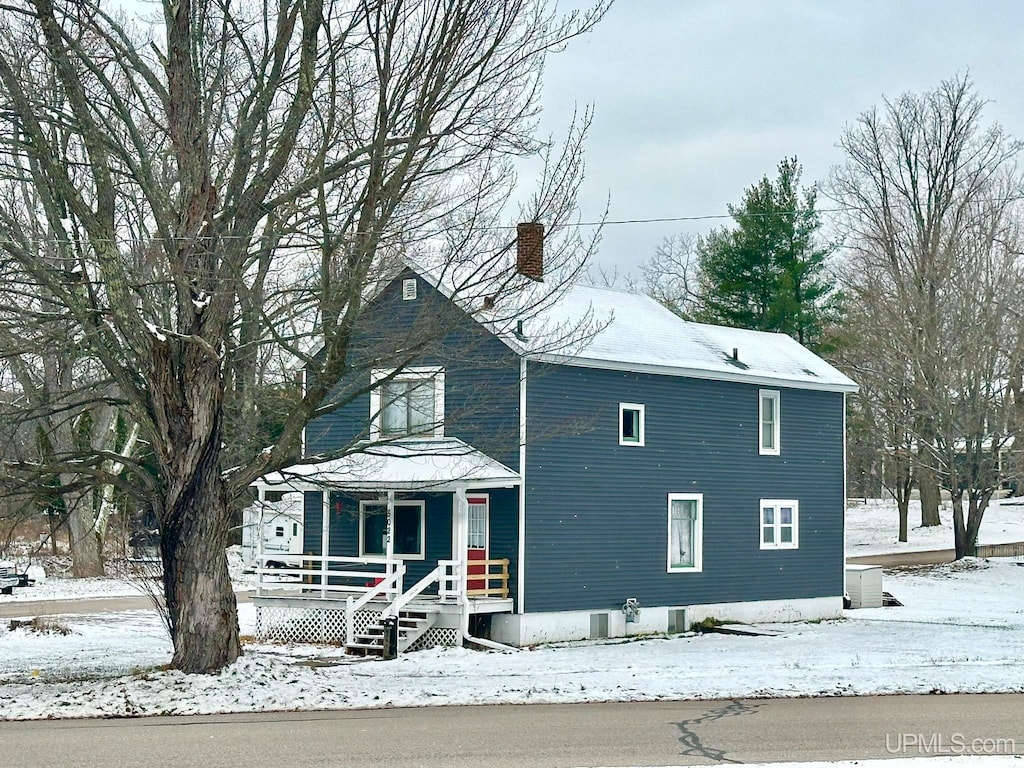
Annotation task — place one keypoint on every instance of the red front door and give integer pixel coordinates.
(477, 547)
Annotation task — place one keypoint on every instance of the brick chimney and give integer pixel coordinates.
(530, 250)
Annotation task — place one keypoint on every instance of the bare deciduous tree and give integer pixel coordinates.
(932, 199)
(227, 194)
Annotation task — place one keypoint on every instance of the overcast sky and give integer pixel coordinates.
(697, 100)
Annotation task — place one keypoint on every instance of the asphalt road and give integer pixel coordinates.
(541, 736)
(84, 605)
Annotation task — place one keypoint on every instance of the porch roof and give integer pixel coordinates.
(420, 464)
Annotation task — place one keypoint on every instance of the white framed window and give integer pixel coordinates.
(409, 289)
(685, 532)
(768, 419)
(409, 404)
(477, 535)
(410, 519)
(780, 524)
(631, 424)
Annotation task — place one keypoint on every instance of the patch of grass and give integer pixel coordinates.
(43, 625)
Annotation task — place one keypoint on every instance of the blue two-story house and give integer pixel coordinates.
(597, 468)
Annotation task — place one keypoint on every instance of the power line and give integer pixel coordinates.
(491, 228)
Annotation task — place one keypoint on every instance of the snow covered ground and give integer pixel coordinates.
(872, 527)
(961, 629)
(960, 761)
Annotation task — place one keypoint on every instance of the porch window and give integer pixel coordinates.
(409, 526)
(410, 404)
(685, 531)
(779, 524)
(631, 424)
(768, 420)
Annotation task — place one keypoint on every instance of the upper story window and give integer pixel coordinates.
(768, 422)
(685, 531)
(631, 424)
(779, 524)
(410, 404)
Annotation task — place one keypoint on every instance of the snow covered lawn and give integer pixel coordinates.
(962, 629)
(872, 527)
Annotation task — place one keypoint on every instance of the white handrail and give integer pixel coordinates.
(351, 606)
(402, 600)
(384, 585)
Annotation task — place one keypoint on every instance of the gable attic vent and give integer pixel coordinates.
(530, 250)
(409, 289)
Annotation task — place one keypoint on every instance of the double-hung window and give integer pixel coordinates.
(780, 521)
(409, 404)
(685, 531)
(768, 422)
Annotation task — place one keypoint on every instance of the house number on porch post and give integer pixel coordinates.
(389, 526)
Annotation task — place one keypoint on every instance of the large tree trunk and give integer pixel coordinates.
(959, 529)
(978, 502)
(201, 604)
(85, 541)
(903, 505)
(930, 497)
(193, 511)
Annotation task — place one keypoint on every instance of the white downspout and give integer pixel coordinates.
(521, 570)
(845, 491)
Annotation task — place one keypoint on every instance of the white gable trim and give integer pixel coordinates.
(693, 373)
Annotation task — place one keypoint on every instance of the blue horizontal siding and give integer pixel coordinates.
(481, 373)
(597, 516)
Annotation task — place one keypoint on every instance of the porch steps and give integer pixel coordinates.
(412, 623)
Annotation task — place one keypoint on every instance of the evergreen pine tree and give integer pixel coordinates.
(767, 272)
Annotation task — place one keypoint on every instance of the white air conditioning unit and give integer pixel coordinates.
(864, 585)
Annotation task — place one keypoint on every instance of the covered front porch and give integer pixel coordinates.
(421, 535)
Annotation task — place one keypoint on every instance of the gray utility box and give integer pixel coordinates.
(864, 585)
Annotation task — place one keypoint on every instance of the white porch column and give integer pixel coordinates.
(389, 539)
(460, 534)
(325, 540)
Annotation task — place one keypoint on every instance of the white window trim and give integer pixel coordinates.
(776, 504)
(383, 503)
(639, 407)
(698, 533)
(487, 521)
(774, 395)
(406, 374)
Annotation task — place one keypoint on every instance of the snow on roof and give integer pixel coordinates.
(635, 332)
(610, 328)
(426, 464)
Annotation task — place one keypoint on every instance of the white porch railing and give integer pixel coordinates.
(328, 577)
(452, 583)
(361, 580)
